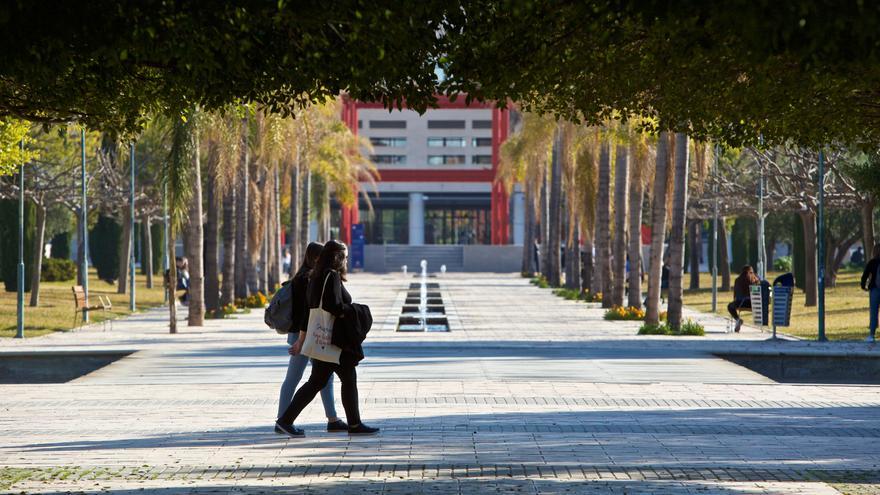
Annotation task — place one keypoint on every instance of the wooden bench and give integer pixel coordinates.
(81, 305)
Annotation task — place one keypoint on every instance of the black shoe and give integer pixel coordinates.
(289, 430)
(337, 426)
(362, 429)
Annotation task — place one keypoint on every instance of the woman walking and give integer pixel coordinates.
(326, 291)
(295, 338)
(871, 283)
(741, 293)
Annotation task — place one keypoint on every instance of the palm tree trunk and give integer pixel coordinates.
(621, 200)
(212, 232)
(588, 281)
(196, 234)
(37, 268)
(723, 255)
(545, 227)
(868, 226)
(658, 231)
(573, 262)
(147, 256)
(124, 254)
(241, 215)
(276, 231)
(227, 291)
(603, 225)
(811, 289)
(529, 238)
(695, 248)
(676, 240)
(255, 238)
(555, 212)
(305, 235)
(636, 196)
(295, 209)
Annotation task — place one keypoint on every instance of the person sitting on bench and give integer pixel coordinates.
(741, 294)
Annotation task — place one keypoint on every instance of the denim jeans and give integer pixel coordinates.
(295, 369)
(875, 308)
(322, 373)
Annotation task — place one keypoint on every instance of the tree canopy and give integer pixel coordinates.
(804, 72)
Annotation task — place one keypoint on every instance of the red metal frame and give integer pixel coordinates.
(500, 210)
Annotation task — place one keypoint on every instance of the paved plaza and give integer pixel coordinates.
(528, 394)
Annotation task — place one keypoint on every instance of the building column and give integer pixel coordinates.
(519, 218)
(416, 219)
(500, 200)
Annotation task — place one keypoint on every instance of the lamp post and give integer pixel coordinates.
(131, 295)
(85, 226)
(820, 245)
(19, 332)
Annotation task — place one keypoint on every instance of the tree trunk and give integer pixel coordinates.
(529, 236)
(588, 280)
(573, 262)
(696, 247)
(603, 225)
(636, 196)
(255, 238)
(811, 289)
(147, 257)
(277, 255)
(836, 256)
(723, 256)
(676, 240)
(37, 266)
(124, 254)
(555, 213)
(264, 248)
(621, 201)
(295, 224)
(868, 227)
(241, 215)
(658, 231)
(227, 291)
(545, 227)
(171, 283)
(196, 234)
(305, 235)
(212, 231)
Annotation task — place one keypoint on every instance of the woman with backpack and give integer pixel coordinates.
(871, 283)
(295, 337)
(327, 292)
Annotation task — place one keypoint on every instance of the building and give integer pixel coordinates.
(437, 180)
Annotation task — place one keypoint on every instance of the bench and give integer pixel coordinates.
(81, 305)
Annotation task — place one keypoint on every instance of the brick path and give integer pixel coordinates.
(528, 394)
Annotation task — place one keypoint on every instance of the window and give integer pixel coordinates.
(445, 159)
(445, 124)
(391, 142)
(387, 124)
(388, 159)
(480, 142)
(481, 124)
(481, 159)
(360, 124)
(447, 142)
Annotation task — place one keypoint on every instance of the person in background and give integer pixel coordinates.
(295, 338)
(741, 293)
(858, 257)
(871, 283)
(287, 263)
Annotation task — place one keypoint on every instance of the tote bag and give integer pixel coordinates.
(320, 332)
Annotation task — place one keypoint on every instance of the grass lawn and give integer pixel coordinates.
(846, 307)
(55, 312)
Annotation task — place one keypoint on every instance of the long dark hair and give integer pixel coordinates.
(313, 251)
(332, 258)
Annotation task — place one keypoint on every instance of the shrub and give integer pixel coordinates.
(624, 313)
(783, 264)
(660, 329)
(223, 312)
(690, 327)
(104, 244)
(257, 300)
(592, 296)
(61, 246)
(57, 270)
(569, 294)
(540, 281)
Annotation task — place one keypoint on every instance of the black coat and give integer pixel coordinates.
(350, 331)
(299, 306)
(869, 276)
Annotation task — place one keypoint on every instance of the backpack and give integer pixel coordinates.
(279, 313)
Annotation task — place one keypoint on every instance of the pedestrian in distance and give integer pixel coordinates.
(871, 283)
(742, 294)
(327, 292)
(298, 362)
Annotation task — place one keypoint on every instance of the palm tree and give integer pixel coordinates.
(621, 191)
(658, 230)
(242, 186)
(640, 155)
(196, 240)
(676, 240)
(603, 223)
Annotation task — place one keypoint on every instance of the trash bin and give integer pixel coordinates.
(782, 297)
(759, 312)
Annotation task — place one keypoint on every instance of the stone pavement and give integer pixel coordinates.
(528, 393)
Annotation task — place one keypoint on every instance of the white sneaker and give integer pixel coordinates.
(870, 339)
